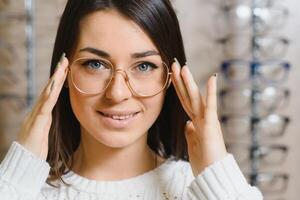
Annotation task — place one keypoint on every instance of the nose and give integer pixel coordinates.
(118, 89)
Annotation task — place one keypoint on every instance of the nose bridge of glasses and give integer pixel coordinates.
(122, 72)
(125, 76)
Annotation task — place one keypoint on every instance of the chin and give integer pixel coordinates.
(117, 139)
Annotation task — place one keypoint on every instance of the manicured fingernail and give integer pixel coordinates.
(62, 57)
(177, 63)
(57, 66)
(60, 61)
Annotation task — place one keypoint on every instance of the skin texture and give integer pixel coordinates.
(107, 153)
(103, 148)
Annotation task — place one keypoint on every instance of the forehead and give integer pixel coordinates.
(114, 33)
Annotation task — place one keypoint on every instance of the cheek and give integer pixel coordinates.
(153, 106)
(81, 105)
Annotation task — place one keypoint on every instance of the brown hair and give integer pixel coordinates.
(158, 19)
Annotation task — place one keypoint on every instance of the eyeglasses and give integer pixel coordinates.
(14, 101)
(92, 76)
(7, 53)
(273, 154)
(265, 100)
(270, 182)
(241, 17)
(261, 47)
(239, 126)
(4, 4)
(8, 5)
(258, 3)
(242, 71)
(7, 77)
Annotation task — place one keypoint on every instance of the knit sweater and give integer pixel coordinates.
(23, 176)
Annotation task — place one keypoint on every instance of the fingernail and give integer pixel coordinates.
(60, 61)
(189, 121)
(177, 63)
(62, 57)
(56, 68)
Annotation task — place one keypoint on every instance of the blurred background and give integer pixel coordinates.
(251, 44)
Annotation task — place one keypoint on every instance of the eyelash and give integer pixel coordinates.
(88, 62)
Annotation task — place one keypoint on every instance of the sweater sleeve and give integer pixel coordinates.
(222, 180)
(22, 174)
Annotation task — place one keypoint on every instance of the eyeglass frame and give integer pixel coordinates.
(255, 19)
(254, 72)
(257, 152)
(265, 3)
(255, 42)
(254, 177)
(124, 74)
(255, 93)
(256, 121)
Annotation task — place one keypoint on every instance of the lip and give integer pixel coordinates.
(118, 123)
(112, 112)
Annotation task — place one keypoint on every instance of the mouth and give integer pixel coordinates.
(118, 120)
(119, 117)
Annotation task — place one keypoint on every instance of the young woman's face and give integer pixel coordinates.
(100, 115)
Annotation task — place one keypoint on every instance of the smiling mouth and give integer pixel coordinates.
(119, 117)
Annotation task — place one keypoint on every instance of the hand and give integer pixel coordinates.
(203, 133)
(35, 128)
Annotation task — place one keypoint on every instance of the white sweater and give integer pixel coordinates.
(23, 176)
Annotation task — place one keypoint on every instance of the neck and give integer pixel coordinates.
(97, 161)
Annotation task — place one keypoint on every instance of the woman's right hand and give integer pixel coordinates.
(35, 128)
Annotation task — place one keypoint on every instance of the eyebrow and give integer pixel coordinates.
(104, 54)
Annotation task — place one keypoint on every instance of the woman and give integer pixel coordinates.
(112, 121)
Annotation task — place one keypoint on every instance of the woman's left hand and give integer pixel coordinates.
(203, 133)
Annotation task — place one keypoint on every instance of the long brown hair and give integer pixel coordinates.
(158, 19)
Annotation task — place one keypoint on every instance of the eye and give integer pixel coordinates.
(95, 64)
(146, 66)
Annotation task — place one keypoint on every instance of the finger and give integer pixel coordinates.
(203, 105)
(180, 88)
(46, 91)
(193, 92)
(187, 110)
(211, 98)
(55, 87)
